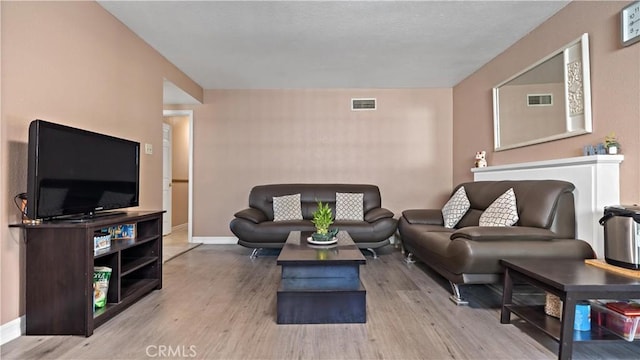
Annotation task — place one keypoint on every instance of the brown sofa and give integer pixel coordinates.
(470, 254)
(256, 229)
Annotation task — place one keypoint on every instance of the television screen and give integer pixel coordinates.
(78, 172)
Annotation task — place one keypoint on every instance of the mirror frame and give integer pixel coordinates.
(576, 112)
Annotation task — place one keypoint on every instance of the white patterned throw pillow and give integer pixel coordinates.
(287, 208)
(350, 206)
(455, 208)
(502, 212)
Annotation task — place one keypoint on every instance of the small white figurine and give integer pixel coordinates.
(481, 161)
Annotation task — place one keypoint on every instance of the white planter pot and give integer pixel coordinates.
(613, 150)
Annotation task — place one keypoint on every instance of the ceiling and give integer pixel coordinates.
(330, 44)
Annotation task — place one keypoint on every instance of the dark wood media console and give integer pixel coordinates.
(60, 262)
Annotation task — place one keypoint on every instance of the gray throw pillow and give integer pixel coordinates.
(287, 207)
(502, 212)
(350, 206)
(455, 208)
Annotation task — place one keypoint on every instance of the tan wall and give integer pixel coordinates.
(180, 169)
(615, 88)
(73, 63)
(246, 138)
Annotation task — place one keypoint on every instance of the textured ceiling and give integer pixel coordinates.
(339, 44)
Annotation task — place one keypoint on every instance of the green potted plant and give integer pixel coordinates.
(611, 143)
(322, 219)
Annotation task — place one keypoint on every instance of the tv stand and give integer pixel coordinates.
(60, 262)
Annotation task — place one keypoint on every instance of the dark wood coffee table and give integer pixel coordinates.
(320, 284)
(572, 281)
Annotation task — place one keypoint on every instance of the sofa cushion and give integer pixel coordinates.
(377, 214)
(424, 216)
(349, 206)
(538, 203)
(502, 212)
(287, 208)
(511, 233)
(455, 208)
(254, 215)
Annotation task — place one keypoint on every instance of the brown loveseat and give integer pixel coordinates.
(470, 254)
(256, 229)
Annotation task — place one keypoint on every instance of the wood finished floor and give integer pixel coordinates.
(218, 304)
(176, 243)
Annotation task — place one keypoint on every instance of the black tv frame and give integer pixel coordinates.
(85, 198)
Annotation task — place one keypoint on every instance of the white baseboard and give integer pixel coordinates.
(216, 240)
(12, 330)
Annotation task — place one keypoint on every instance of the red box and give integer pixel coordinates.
(625, 308)
(619, 324)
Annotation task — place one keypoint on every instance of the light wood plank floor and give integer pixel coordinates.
(176, 243)
(218, 304)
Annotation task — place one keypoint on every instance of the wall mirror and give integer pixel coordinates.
(547, 101)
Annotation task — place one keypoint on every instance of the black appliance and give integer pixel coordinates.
(622, 236)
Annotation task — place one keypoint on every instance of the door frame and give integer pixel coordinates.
(167, 169)
(189, 114)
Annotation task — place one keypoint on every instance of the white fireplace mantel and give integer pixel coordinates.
(597, 182)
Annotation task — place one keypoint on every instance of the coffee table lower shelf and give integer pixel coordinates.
(535, 315)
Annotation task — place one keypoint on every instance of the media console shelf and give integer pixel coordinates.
(60, 262)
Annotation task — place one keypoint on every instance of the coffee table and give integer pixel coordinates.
(320, 284)
(572, 281)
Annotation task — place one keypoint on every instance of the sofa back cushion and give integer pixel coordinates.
(261, 196)
(545, 204)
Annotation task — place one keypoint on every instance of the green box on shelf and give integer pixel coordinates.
(101, 277)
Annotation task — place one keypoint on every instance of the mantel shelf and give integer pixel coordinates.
(578, 160)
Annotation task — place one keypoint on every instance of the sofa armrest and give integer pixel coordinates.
(251, 214)
(424, 216)
(376, 214)
(489, 233)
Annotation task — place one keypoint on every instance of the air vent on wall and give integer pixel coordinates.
(539, 99)
(363, 104)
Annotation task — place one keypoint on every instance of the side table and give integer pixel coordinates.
(570, 280)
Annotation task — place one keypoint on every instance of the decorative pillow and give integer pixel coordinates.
(350, 206)
(502, 212)
(287, 208)
(455, 208)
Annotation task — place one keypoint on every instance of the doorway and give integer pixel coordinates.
(177, 184)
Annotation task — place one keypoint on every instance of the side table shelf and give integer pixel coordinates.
(551, 326)
(60, 262)
(572, 281)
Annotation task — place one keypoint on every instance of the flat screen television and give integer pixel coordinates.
(76, 174)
